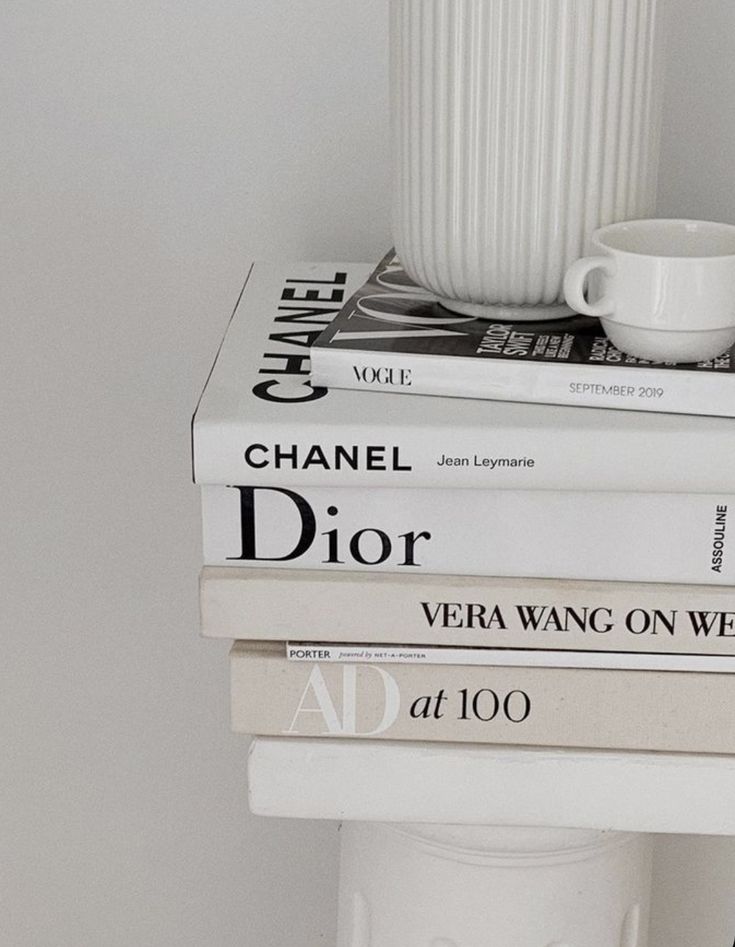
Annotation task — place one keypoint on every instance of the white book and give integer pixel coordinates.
(260, 422)
(324, 652)
(394, 336)
(465, 611)
(625, 537)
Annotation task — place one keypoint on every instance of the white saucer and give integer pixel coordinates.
(508, 313)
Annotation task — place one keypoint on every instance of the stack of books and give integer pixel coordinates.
(497, 557)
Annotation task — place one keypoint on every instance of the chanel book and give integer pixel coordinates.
(262, 421)
(467, 612)
(673, 711)
(393, 336)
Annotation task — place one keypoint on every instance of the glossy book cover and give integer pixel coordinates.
(394, 336)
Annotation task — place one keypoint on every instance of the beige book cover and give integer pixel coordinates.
(465, 611)
(636, 710)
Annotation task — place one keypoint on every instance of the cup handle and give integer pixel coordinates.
(575, 283)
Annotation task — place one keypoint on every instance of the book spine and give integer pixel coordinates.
(634, 710)
(633, 389)
(466, 612)
(416, 455)
(309, 651)
(563, 535)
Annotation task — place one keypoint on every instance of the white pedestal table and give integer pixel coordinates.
(449, 845)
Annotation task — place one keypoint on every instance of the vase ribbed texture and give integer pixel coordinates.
(519, 127)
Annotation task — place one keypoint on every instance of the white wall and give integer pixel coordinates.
(148, 151)
(698, 160)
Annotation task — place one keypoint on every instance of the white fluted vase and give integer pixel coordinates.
(519, 127)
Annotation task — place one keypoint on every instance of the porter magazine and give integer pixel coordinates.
(325, 652)
(261, 421)
(394, 336)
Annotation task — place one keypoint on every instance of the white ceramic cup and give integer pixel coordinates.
(519, 128)
(664, 290)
